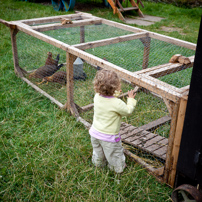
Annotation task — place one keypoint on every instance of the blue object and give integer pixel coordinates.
(63, 4)
(57, 5)
(69, 4)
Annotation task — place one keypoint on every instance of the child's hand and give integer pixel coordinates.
(131, 94)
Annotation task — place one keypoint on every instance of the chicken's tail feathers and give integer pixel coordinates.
(57, 57)
(59, 66)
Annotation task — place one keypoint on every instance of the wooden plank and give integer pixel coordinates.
(171, 68)
(177, 140)
(169, 159)
(169, 105)
(127, 132)
(141, 146)
(145, 136)
(70, 84)
(122, 26)
(172, 40)
(42, 20)
(133, 3)
(166, 85)
(47, 27)
(82, 34)
(185, 90)
(84, 122)
(161, 152)
(87, 107)
(109, 41)
(152, 141)
(53, 100)
(146, 42)
(128, 9)
(140, 161)
(156, 145)
(134, 134)
(161, 70)
(155, 124)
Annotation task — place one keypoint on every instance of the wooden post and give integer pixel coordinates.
(177, 140)
(171, 138)
(82, 34)
(18, 70)
(70, 106)
(146, 42)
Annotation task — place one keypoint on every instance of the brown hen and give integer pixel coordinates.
(58, 77)
(50, 67)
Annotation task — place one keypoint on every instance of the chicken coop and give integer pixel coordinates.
(59, 56)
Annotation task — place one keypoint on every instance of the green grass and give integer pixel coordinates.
(45, 153)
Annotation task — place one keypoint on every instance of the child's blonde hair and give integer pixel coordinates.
(106, 82)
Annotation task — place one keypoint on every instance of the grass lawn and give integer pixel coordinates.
(45, 153)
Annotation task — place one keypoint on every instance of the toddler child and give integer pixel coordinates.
(108, 110)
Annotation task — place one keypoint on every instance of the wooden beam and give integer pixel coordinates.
(169, 69)
(155, 124)
(166, 85)
(171, 139)
(43, 20)
(146, 42)
(70, 106)
(18, 70)
(52, 99)
(172, 40)
(82, 34)
(169, 105)
(164, 69)
(109, 41)
(122, 26)
(47, 27)
(133, 3)
(177, 141)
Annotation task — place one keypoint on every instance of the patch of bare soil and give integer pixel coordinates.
(171, 29)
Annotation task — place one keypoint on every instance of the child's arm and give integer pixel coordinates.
(125, 109)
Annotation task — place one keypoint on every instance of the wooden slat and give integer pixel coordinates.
(169, 69)
(109, 41)
(156, 145)
(145, 141)
(152, 141)
(122, 26)
(145, 136)
(128, 9)
(162, 70)
(172, 40)
(161, 152)
(134, 134)
(177, 140)
(155, 124)
(35, 21)
(169, 158)
(47, 27)
(126, 132)
(53, 100)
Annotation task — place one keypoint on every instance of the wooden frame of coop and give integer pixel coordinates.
(147, 78)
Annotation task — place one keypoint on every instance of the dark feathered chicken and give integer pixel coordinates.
(50, 67)
(60, 77)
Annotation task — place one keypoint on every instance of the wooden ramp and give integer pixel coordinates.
(144, 140)
(118, 8)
